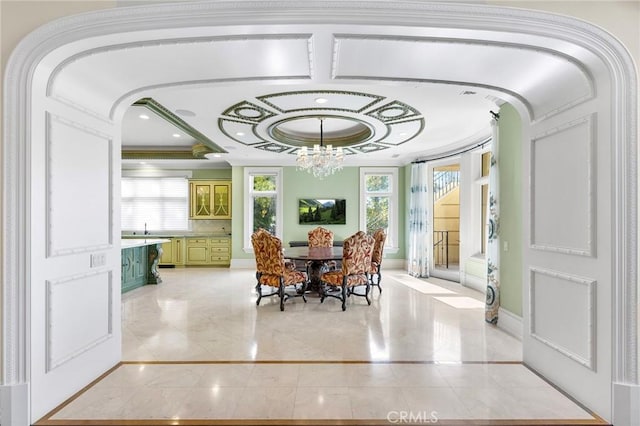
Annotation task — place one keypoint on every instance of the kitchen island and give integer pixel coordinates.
(140, 257)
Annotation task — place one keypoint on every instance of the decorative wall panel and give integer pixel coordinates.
(78, 315)
(567, 328)
(563, 196)
(79, 188)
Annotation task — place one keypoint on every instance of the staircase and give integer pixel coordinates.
(446, 217)
(444, 182)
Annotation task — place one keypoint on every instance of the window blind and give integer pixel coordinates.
(160, 202)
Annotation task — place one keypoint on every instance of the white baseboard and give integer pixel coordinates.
(388, 264)
(511, 323)
(473, 282)
(14, 400)
(626, 404)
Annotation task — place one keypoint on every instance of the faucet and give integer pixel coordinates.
(145, 229)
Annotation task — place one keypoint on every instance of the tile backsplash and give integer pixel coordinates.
(213, 226)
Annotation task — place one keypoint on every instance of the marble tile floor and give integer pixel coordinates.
(197, 350)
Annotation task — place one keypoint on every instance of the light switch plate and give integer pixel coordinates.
(98, 259)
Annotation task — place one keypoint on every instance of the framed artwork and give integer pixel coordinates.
(315, 211)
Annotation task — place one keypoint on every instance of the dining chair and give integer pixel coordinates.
(379, 238)
(271, 270)
(322, 237)
(356, 263)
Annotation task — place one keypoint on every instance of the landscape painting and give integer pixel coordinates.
(314, 211)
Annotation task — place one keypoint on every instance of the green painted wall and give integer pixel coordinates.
(298, 184)
(344, 184)
(237, 218)
(510, 151)
(211, 174)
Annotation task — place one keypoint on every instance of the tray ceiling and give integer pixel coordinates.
(412, 91)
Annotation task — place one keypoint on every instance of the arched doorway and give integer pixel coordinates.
(50, 113)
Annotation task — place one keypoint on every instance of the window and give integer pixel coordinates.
(263, 202)
(379, 203)
(154, 203)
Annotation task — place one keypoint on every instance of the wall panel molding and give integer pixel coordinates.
(586, 124)
(76, 201)
(589, 288)
(56, 358)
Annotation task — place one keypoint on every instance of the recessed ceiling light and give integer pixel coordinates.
(143, 162)
(217, 155)
(239, 133)
(176, 135)
(403, 134)
(144, 116)
(321, 100)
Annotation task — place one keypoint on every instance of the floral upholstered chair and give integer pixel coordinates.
(271, 270)
(356, 264)
(322, 237)
(375, 276)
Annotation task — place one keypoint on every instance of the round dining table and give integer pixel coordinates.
(316, 258)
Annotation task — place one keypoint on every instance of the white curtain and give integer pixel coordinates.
(493, 224)
(418, 222)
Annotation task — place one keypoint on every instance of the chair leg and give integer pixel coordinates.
(258, 288)
(344, 295)
(366, 293)
(281, 294)
(379, 280)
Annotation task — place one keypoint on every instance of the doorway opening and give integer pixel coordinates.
(446, 222)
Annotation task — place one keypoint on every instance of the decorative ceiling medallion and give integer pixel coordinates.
(402, 131)
(394, 111)
(333, 100)
(345, 151)
(370, 147)
(289, 120)
(239, 131)
(273, 147)
(338, 131)
(248, 111)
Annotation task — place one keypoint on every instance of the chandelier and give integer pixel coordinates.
(323, 160)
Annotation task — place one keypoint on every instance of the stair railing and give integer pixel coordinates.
(444, 182)
(441, 248)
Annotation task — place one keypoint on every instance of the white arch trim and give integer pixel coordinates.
(17, 121)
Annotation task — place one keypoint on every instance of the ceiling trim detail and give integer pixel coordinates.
(271, 100)
(243, 110)
(160, 155)
(164, 113)
(394, 121)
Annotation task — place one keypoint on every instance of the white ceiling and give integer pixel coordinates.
(447, 80)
